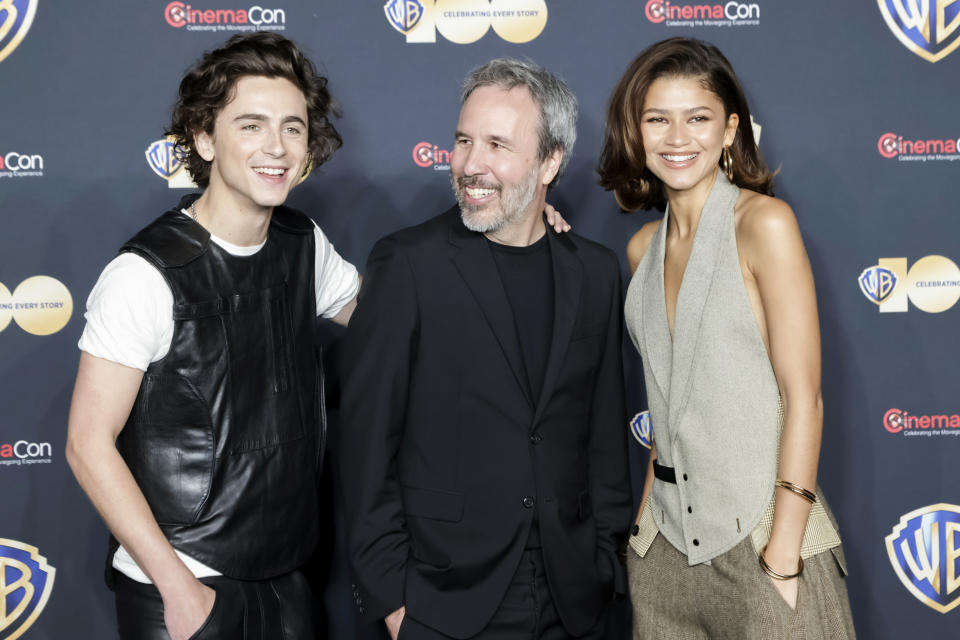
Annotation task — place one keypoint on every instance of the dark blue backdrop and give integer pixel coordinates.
(854, 110)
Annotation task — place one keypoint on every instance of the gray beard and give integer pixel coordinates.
(512, 206)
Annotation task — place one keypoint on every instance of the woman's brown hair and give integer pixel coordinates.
(622, 164)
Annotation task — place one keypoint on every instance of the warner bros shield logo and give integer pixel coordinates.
(924, 549)
(26, 581)
(929, 28)
(877, 283)
(164, 157)
(403, 15)
(642, 428)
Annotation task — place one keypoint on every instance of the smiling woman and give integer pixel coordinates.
(685, 128)
(730, 540)
(623, 163)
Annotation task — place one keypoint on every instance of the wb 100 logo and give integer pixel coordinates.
(932, 284)
(26, 581)
(929, 28)
(41, 305)
(924, 549)
(16, 16)
(466, 21)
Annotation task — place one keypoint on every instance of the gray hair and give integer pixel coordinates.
(558, 105)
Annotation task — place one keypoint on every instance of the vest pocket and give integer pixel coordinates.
(168, 445)
(265, 401)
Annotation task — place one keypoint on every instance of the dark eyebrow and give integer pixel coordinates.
(251, 116)
(666, 111)
(259, 117)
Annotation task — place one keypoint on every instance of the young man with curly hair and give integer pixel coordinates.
(194, 422)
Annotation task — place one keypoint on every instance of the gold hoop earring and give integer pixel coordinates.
(727, 160)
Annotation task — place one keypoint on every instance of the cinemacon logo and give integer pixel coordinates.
(897, 421)
(427, 154)
(661, 10)
(14, 161)
(181, 14)
(891, 145)
(23, 452)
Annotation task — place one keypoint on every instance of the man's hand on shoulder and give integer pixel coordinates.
(393, 622)
(555, 220)
(185, 611)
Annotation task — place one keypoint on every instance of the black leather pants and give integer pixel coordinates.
(276, 609)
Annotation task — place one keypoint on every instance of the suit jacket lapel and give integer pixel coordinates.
(695, 288)
(656, 331)
(567, 283)
(474, 262)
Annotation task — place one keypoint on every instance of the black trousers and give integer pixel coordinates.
(527, 611)
(276, 609)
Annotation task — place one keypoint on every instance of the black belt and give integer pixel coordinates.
(667, 474)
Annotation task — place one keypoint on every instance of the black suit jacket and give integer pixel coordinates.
(445, 454)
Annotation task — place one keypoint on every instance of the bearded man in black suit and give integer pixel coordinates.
(484, 438)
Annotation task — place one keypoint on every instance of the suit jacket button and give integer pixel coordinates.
(529, 501)
(635, 530)
(535, 438)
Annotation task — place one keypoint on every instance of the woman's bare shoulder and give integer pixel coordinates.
(767, 230)
(762, 219)
(759, 213)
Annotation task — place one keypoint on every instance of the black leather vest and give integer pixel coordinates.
(223, 438)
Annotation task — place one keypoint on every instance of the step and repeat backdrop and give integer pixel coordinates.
(857, 103)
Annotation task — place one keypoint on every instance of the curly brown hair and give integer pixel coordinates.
(209, 85)
(622, 166)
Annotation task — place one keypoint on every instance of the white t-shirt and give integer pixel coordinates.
(130, 321)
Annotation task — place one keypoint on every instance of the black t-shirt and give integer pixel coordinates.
(527, 276)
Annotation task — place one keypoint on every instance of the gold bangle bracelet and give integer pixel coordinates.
(778, 576)
(806, 494)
